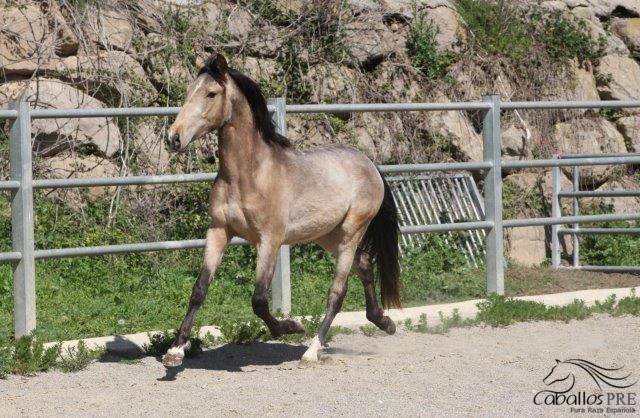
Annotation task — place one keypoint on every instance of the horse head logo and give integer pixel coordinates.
(608, 377)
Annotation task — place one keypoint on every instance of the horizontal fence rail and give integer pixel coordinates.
(604, 269)
(571, 162)
(598, 104)
(127, 248)
(21, 186)
(603, 193)
(600, 231)
(124, 181)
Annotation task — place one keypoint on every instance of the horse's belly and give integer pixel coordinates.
(308, 222)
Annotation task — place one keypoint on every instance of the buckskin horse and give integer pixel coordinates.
(271, 194)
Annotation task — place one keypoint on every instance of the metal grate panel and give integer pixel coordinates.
(441, 199)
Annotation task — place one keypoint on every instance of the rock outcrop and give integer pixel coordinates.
(52, 136)
(112, 53)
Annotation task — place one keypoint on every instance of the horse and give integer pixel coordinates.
(271, 195)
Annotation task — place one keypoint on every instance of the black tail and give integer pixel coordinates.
(381, 240)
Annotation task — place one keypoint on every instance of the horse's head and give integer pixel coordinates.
(207, 105)
(559, 372)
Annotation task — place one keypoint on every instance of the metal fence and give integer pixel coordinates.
(441, 198)
(21, 184)
(575, 231)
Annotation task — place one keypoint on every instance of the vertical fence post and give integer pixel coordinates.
(491, 134)
(576, 212)
(556, 212)
(281, 285)
(24, 273)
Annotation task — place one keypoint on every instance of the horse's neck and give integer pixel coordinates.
(241, 149)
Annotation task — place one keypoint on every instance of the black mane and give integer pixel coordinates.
(257, 103)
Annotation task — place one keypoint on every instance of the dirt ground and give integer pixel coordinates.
(523, 281)
(470, 372)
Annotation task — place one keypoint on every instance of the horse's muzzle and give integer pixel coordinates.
(173, 141)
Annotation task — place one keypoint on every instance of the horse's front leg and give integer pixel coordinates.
(267, 257)
(217, 240)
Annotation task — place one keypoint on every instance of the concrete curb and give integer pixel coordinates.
(134, 343)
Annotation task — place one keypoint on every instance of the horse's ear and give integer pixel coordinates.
(221, 64)
(557, 361)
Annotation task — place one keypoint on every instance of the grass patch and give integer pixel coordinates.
(501, 311)
(443, 326)
(370, 330)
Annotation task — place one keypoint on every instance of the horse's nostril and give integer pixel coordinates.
(174, 141)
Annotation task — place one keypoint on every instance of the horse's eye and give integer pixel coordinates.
(211, 95)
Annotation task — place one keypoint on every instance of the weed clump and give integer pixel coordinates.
(422, 47)
(501, 28)
(495, 26)
(27, 356)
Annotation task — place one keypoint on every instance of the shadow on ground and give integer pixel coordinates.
(233, 357)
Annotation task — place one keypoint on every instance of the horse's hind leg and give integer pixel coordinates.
(267, 257)
(363, 268)
(217, 240)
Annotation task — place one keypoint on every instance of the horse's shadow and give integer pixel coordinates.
(233, 357)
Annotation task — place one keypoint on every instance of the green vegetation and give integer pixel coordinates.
(422, 47)
(78, 358)
(501, 311)
(501, 28)
(613, 114)
(517, 202)
(444, 325)
(564, 38)
(269, 11)
(611, 250)
(495, 25)
(27, 356)
(608, 250)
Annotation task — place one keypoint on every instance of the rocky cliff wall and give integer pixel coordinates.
(77, 54)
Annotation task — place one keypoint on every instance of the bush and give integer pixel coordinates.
(422, 47)
(26, 356)
(542, 36)
(609, 250)
(77, 358)
(495, 26)
(564, 38)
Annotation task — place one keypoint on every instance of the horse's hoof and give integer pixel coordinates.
(312, 355)
(170, 361)
(290, 326)
(173, 358)
(390, 327)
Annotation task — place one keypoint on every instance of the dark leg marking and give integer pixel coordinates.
(375, 314)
